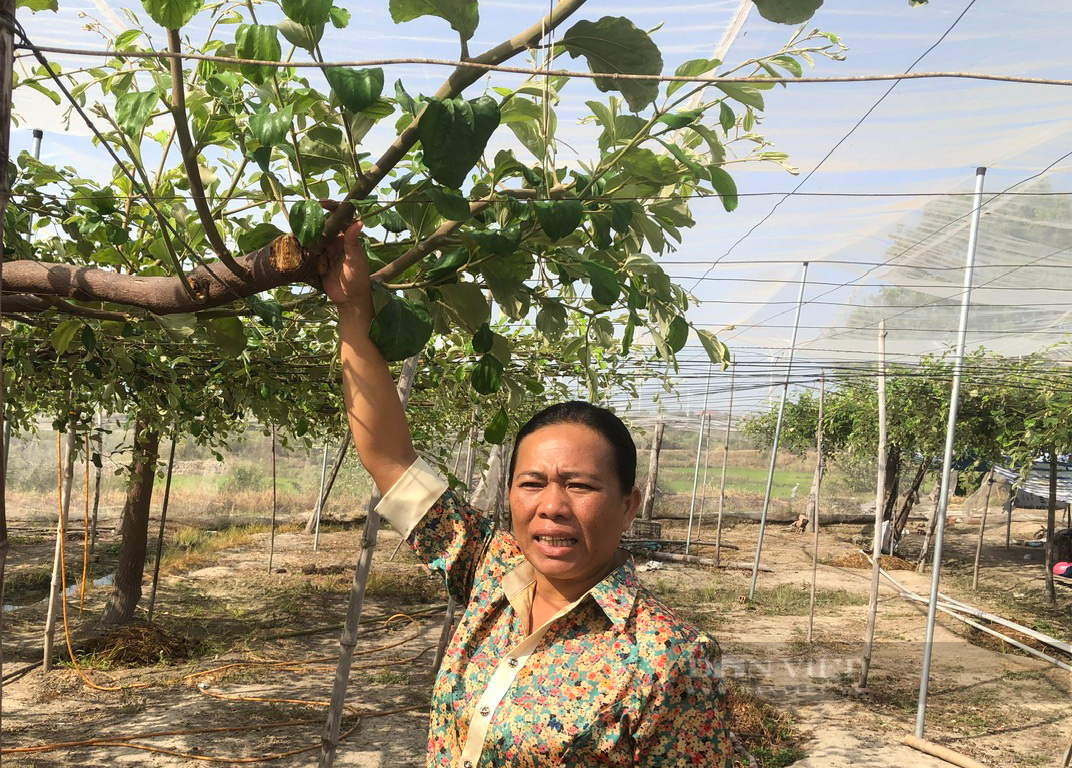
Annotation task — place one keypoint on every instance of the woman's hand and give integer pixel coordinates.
(345, 270)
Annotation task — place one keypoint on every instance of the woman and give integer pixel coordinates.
(561, 657)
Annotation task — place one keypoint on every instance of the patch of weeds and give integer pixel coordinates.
(390, 677)
(405, 587)
(767, 732)
(194, 547)
(1025, 674)
(780, 600)
(131, 703)
(27, 586)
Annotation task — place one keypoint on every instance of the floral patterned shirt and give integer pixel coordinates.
(614, 679)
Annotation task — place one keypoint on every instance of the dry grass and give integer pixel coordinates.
(135, 645)
(766, 731)
(860, 560)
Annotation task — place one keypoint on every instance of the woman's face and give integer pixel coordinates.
(567, 504)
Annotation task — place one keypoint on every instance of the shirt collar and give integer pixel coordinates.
(615, 594)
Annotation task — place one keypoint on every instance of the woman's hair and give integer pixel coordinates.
(604, 422)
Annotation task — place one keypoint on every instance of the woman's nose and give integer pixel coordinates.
(553, 501)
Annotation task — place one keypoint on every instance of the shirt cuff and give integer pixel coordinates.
(407, 501)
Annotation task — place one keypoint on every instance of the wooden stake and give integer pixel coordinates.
(97, 476)
(653, 472)
(982, 528)
(64, 476)
(880, 505)
(815, 503)
(1051, 524)
(163, 522)
(329, 743)
(85, 540)
(703, 482)
(725, 461)
(1009, 505)
(7, 68)
(271, 545)
(312, 525)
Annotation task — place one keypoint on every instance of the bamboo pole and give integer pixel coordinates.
(64, 476)
(982, 529)
(312, 525)
(880, 505)
(777, 434)
(725, 462)
(320, 497)
(85, 539)
(329, 743)
(699, 450)
(947, 459)
(815, 504)
(7, 68)
(163, 522)
(1008, 506)
(271, 540)
(703, 482)
(937, 750)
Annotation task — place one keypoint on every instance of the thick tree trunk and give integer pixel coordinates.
(1051, 524)
(653, 472)
(932, 521)
(134, 528)
(910, 498)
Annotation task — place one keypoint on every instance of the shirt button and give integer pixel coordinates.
(484, 711)
(512, 662)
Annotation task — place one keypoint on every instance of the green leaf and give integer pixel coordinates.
(179, 327)
(726, 118)
(789, 64)
(615, 45)
(307, 221)
(124, 39)
(172, 14)
(307, 12)
(132, 110)
(38, 5)
(559, 218)
(716, 350)
(486, 376)
(64, 334)
(691, 68)
(483, 339)
(300, 35)
(450, 204)
(269, 311)
(605, 286)
(401, 328)
(404, 99)
(447, 265)
(40, 88)
(271, 128)
(627, 334)
(620, 216)
(228, 333)
(260, 42)
(454, 133)
(495, 432)
(258, 237)
(356, 89)
(678, 120)
(466, 304)
(745, 94)
(788, 11)
(463, 15)
(552, 321)
(725, 186)
(340, 17)
(677, 334)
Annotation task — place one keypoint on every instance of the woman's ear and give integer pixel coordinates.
(632, 502)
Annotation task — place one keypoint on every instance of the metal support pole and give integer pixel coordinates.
(725, 461)
(320, 498)
(703, 482)
(947, 461)
(815, 504)
(880, 505)
(699, 452)
(777, 434)
(163, 524)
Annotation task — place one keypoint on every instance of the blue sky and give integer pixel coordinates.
(926, 137)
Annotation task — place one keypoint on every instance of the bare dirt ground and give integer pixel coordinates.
(1002, 709)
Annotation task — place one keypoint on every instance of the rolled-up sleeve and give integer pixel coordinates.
(447, 534)
(684, 723)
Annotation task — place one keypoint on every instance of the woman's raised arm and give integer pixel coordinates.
(377, 419)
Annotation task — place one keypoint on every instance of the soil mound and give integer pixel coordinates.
(859, 560)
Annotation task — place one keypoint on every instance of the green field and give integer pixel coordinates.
(738, 480)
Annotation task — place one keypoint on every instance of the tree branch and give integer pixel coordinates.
(189, 157)
(35, 304)
(280, 263)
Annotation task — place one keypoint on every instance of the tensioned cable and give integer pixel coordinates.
(844, 138)
(541, 72)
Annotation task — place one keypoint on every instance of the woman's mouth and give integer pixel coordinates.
(556, 541)
(555, 546)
